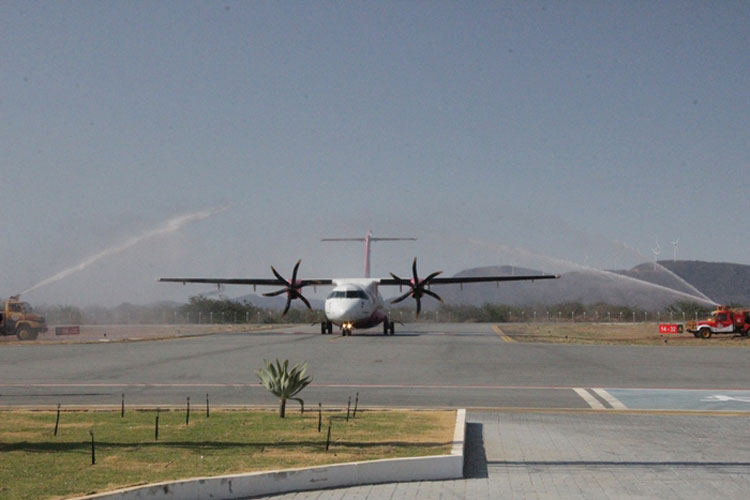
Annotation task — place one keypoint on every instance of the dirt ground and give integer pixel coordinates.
(646, 333)
(132, 333)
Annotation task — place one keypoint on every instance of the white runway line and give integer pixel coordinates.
(613, 401)
(591, 400)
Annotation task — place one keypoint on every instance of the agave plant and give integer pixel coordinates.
(283, 382)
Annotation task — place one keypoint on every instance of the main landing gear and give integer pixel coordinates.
(326, 327)
(388, 327)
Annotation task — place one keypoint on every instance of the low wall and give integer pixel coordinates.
(431, 468)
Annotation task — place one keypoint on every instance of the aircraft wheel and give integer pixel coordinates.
(385, 327)
(329, 327)
(323, 328)
(391, 328)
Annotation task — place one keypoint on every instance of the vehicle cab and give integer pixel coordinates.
(721, 321)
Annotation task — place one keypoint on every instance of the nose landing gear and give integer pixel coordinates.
(346, 329)
(388, 327)
(326, 327)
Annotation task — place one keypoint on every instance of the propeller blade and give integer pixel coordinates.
(288, 303)
(303, 299)
(419, 305)
(274, 294)
(433, 294)
(401, 280)
(430, 277)
(403, 297)
(414, 271)
(294, 273)
(278, 276)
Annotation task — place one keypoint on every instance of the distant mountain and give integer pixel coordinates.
(641, 287)
(722, 282)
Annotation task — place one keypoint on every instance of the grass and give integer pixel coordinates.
(37, 465)
(646, 333)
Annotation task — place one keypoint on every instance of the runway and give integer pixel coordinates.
(544, 420)
(423, 365)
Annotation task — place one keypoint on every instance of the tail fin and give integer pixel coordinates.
(368, 239)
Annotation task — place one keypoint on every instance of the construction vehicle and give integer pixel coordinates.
(18, 319)
(722, 320)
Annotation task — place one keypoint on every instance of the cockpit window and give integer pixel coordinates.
(348, 294)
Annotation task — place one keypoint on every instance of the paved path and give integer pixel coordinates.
(602, 455)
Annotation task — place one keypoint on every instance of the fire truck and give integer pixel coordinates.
(18, 319)
(723, 320)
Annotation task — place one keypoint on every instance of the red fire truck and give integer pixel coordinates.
(722, 320)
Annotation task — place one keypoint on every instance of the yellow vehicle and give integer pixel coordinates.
(18, 319)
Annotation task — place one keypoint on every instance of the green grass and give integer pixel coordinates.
(36, 464)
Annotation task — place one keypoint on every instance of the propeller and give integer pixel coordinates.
(292, 288)
(417, 288)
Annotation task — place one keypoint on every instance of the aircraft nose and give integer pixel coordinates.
(342, 310)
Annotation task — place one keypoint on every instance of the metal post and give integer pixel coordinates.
(57, 422)
(93, 453)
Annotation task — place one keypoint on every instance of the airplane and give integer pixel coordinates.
(356, 302)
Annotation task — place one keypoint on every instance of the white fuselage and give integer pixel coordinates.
(356, 303)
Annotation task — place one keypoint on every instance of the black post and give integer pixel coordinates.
(156, 427)
(93, 453)
(187, 414)
(122, 407)
(356, 403)
(320, 416)
(348, 405)
(207, 411)
(328, 439)
(57, 422)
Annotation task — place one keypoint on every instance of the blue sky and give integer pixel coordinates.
(526, 133)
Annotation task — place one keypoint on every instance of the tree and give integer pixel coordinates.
(283, 383)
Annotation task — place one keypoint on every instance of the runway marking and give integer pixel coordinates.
(613, 401)
(501, 334)
(591, 400)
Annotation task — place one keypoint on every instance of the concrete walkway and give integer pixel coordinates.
(599, 455)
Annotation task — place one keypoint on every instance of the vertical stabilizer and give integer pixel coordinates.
(368, 239)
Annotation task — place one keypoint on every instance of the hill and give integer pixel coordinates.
(644, 286)
(725, 283)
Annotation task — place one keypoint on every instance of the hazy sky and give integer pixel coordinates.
(526, 133)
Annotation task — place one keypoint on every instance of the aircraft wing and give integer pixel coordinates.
(247, 281)
(474, 279)
(291, 288)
